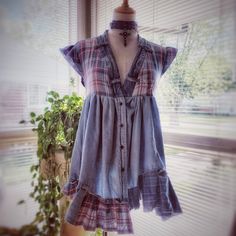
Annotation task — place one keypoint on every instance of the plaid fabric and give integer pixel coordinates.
(69, 189)
(93, 60)
(169, 53)
(94, 211)
(108, 214)
(72, 57)
(158, 194)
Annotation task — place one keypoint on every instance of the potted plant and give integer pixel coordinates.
(56, 131)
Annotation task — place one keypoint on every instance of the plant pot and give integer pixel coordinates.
(54, 166)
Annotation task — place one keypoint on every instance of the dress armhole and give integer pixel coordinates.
(169, 54)
(71, 53)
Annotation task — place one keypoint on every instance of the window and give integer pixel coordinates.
(197, 109)
(31, 33)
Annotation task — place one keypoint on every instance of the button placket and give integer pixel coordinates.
(123, 148)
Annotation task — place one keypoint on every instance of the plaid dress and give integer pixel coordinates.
(118, 158)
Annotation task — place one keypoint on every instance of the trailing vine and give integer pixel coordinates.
(56, 132)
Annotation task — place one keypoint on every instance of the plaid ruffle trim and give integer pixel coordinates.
(69, 189)
(92, 211)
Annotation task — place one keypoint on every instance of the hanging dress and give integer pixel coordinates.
(118, 158)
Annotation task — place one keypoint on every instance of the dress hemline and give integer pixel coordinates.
(154, 191)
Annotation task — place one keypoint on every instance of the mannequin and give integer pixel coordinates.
(124, 55)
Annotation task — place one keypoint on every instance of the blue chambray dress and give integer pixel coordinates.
(118, 158)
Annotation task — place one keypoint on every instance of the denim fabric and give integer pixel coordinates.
(99, 139)
(118, 152)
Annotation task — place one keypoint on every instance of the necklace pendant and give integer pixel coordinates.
(125, 34)
(124, 25)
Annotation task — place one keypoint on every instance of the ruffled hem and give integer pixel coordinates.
(154, 189)
(92, 211)
(157, 193)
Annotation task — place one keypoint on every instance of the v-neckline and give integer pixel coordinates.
(115, 63)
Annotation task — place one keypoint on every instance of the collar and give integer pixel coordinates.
(103, 40)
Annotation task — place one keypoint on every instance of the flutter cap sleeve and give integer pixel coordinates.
(169, 54)
(72, 55)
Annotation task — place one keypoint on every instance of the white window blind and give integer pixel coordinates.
(196, 99)
(31, 65)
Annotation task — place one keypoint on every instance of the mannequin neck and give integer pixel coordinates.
(120, 16)
(123, 17)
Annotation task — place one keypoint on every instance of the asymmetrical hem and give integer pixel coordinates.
(118, 159)
(155, 192)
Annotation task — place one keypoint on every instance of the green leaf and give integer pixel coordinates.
(55, 94)
(32, 122)
(58, 188)
(46, 109)
(32, 168)
(20, 202)
(51, 100)
(32, 114)
(40, 117)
